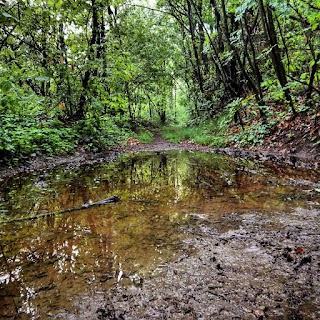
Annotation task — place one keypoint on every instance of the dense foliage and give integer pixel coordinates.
(81, 73)
(88, 73)
(252, 63)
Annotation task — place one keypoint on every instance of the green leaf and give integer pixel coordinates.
(51, 3)
(42, 78)
(4, 16)
(241, 9)
(6, 86)
(59, 4)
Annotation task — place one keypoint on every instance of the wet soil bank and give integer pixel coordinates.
(249, 266)
(47, 163)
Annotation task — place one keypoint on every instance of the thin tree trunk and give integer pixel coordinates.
(271, 36)
(312, 77)
(88, 74)
(242, 68)
(194, 46)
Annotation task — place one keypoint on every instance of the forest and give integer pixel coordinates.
(159, 159)
(89, 75)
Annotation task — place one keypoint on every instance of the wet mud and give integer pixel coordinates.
(196, 235)
(260, 268)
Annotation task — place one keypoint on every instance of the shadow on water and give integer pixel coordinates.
(48, 264)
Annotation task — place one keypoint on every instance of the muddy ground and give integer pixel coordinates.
(245, 266)
(248, 266)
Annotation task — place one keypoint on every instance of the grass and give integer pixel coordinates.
(203, 134)
(145, 136)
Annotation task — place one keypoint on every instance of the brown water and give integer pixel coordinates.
(48, 264)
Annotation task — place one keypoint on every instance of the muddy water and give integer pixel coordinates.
(48, 265)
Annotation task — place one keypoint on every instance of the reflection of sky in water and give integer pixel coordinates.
(47, 264)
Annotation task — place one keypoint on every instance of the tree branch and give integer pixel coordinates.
(148, 8)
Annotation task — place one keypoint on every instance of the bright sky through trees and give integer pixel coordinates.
(148, 3)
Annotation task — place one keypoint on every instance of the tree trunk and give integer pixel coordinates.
(94, 41)
(194, 46)
(237, 59)
(271, 37)
(312, 77)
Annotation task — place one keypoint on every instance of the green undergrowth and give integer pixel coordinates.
(245, 124)
(142, 130)
(202, 134)
(145, 136)
(25, 137)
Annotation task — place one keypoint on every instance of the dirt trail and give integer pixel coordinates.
(159, 144)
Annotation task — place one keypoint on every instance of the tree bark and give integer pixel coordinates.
(312, 77)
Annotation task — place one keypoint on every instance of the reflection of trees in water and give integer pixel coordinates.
(147, 171)
(221, 177)
(55, 260)
(59, 258)
(69, 252)
(185, 175)
(138, 177)
(67, 255)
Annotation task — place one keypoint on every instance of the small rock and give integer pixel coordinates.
(219, 266)
(259, 313)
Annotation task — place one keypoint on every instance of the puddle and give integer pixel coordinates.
(49, 264)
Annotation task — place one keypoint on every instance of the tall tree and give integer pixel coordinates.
(272, 39)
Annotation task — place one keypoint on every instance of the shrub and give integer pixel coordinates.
(24, 137)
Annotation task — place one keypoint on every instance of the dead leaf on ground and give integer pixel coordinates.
(299, 250)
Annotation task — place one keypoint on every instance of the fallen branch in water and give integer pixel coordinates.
(86, 205)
